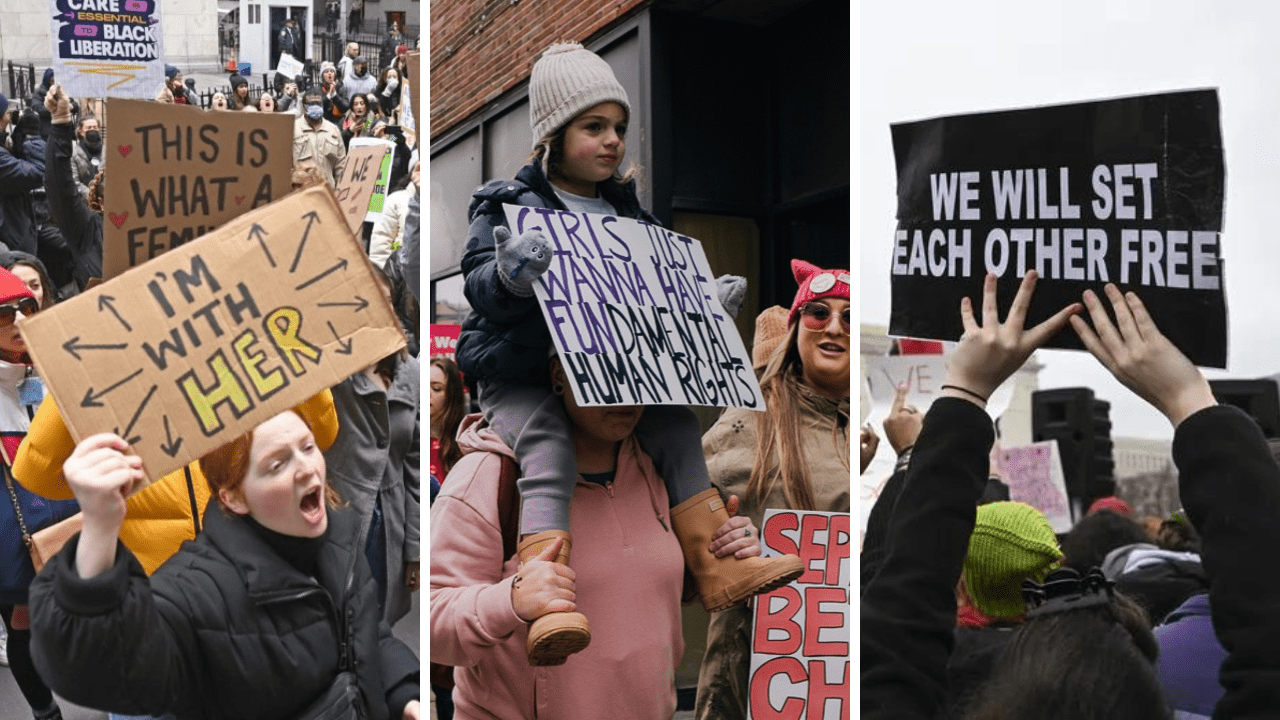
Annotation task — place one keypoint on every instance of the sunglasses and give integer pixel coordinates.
(815, 317)
(9, 313)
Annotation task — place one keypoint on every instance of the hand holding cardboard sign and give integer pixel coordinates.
(989, 353)
(102, 477)
(58, 105)
(521, 259)
(543, 585)
(1141, 357)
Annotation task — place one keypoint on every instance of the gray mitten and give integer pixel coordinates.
(521, 259)
(732, 290)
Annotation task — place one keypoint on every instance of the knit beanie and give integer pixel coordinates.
(816, 283)
(237, 81)
(1112, 503)
(12, 288)
(566, 80)
(170, 71)
(4, 104)
(1011, 542)
(771, 330)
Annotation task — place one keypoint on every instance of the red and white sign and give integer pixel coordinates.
(800, 632)
(444, 340)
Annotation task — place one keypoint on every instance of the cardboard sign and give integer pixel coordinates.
(1128, 191)
(444, 340)
(633, 310)
(178, 172)
(800, 632)
(107, 47)
(379, 194)
(1034, 476)
(359, 176)
(205, 342)
(407, 85)
(289, 66)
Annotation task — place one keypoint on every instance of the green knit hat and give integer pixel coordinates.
(1011, 542)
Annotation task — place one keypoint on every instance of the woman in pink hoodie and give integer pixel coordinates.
(632, 571)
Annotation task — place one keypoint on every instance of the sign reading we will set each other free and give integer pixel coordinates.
(205, 342)
(107, 47)
(178, 172)
(634, 313)
(1126, 191)
(800, 632)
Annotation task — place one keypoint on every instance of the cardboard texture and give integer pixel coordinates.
(205, 342)
(408, 119)
(383, 171)
(178, 172)
(360, 172)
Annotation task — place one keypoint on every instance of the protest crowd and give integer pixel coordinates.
(566, 532)
(261, 579)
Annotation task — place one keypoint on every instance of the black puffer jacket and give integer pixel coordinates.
(225, 629)
(506, 338)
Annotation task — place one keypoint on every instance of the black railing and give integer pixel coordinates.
(22, 81)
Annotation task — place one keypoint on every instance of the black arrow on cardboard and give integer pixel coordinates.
(345, 346)
(105, 302)
(340, 265)
(134, 420)
(74, 344)
(259, 233)
(359, 304)
(91, 397)
(170, 446)
(312, 218)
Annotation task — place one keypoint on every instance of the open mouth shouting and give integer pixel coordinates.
(312, 505)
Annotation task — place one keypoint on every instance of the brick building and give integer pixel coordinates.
(740, 124)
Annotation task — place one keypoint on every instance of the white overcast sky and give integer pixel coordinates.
(925, 59)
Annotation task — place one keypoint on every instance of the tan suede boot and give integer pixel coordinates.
(557, 635)
(724, 582)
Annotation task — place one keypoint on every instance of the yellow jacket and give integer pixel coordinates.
(161, 516)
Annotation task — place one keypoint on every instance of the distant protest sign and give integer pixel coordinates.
(1128, 191)
(108, 47)
(633, 310)
(800, 632)
(1034, 476)
(210, 339)
(444, 340)
(407, 85)
(359, 177)
(379, 194)
(178, 172)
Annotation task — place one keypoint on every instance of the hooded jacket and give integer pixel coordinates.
(630, 572)
(730, 449)
(226, 629)
(377, 454)
(506, 338)
(165, 513)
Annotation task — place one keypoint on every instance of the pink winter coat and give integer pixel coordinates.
(630, 574)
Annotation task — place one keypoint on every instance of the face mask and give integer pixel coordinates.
(93, 140)
(392, 83)
(361, 70)
(314, 112)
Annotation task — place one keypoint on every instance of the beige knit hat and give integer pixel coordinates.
(771, 330)
(566, 80)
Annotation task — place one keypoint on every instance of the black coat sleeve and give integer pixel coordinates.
(908, 608)
(1230, 488)
(107, 641)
